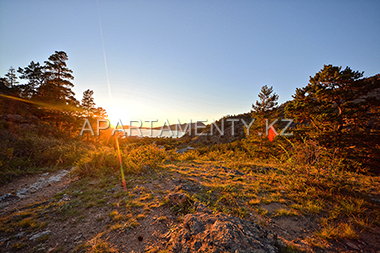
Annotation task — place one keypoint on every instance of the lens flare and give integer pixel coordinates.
(121, 164)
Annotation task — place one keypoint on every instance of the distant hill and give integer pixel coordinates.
(179, 127)
(184, 126)
(227, 136)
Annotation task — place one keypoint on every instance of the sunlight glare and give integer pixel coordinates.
(116, 115)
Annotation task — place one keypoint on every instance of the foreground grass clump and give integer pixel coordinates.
(96, 245)
(135, 160)
(337, 231)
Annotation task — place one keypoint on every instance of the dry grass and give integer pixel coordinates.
(339, 199)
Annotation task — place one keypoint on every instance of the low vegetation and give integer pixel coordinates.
(326, 173)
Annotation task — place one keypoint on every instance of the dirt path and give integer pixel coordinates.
(30, 189)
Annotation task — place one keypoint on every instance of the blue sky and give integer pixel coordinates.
(190, 59)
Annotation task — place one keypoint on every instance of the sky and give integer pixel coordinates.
(181, 60)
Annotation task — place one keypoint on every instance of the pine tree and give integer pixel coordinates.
(56, 92)
(334, 109)
(88, 104)
(11, 77)
(267, 103)
(35, 76)
(57, 88)
(264, 109)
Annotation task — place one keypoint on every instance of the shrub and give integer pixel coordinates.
(106, 160)
(32, 153)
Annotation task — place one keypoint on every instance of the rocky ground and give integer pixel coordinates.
(158, 212)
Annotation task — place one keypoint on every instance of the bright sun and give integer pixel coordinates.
(116, 115)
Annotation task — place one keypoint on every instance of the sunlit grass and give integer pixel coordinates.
(107, 160)
(285, 212)
(28, 223)
(331, 230)
(241, 188)
(116, 216)
(261, 211)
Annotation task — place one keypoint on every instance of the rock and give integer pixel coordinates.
(207, 232)
(77, 238)
(176, 180)
(177, 198)
(192, 188)
(8, 197)
(223, 168)
(180, 151)
(28, 127)
(16, 118)
(183, 150)
(22, 192)
(19, 235)
(58, 177)
(115, 189)
(65, 197)
(236, 172)
(41, 183)
(192, 223)
(201, 208)
(146, 167)
(23, 123)
(351, 245)
(36, 236)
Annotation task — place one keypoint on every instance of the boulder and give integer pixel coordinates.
(204, 231)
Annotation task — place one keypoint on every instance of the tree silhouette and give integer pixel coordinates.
(335, 109)
(88, 104)
(11, 77)
(57, 88)
(56, 91)
(34, 73)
